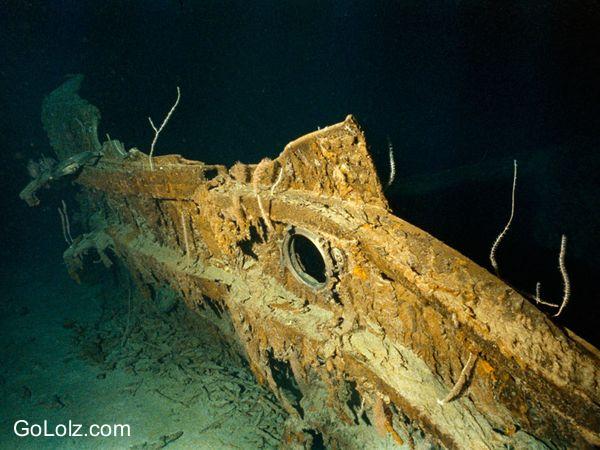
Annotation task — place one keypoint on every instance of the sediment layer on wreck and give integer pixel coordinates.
(349, 314)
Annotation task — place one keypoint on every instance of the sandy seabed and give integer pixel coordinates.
(100, 354)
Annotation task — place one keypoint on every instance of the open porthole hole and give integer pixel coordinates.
(307, 261)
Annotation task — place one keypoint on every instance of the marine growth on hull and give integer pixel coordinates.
(361, 330)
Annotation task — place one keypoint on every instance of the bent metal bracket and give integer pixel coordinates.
(301, 265)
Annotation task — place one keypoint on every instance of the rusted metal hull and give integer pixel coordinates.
(387, 331)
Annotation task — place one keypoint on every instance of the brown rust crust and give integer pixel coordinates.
(400, 317)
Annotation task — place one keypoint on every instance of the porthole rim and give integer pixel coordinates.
(291, 261)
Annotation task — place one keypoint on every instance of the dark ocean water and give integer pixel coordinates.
(450, 84)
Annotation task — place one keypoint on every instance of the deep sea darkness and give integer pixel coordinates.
(449, 83)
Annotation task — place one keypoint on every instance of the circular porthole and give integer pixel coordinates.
(306, 258)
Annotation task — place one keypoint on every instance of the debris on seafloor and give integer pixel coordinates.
(348, 314)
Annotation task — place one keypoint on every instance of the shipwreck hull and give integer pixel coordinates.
(349, 314)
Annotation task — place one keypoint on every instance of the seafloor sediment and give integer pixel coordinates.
(97, 354)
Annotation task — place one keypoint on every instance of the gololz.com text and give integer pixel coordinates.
(23, 428)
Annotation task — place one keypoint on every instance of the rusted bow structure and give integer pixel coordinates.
(348, 313)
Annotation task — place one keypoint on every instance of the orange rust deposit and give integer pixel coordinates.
(304, 269)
